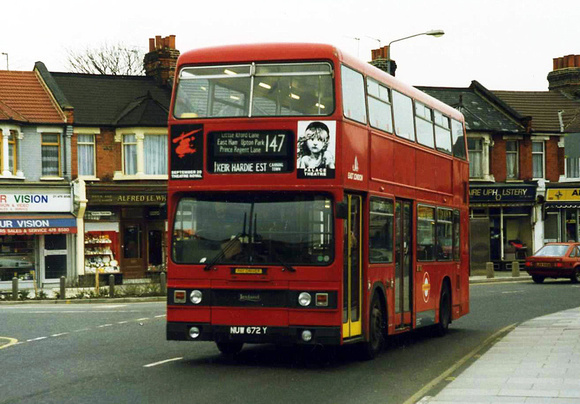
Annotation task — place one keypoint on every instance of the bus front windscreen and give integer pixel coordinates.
(253, 229)
(277, 89)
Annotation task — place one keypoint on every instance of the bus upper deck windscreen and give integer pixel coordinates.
(278, 89)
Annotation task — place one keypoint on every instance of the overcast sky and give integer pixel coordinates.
(503, 44)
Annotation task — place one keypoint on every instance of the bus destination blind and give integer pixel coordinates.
(250, 152)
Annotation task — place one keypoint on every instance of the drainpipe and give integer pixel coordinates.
(80, 205)
(560, 113)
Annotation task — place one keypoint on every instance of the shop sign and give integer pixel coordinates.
(526, 193)
(33, 226)
(127, 199)
(35, 202)
(563, 194)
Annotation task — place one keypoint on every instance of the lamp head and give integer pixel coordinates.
(435, 32)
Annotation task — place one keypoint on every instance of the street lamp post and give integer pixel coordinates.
(434, 32)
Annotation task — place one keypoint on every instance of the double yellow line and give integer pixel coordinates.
(5, 342)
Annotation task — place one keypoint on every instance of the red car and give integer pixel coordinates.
(555, 260)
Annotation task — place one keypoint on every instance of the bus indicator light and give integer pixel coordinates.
(322, 299)
(179, 296)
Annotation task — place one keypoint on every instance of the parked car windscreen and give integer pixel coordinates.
(552, 251)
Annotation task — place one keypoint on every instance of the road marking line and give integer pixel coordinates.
(105, 325)
(122, 322)
(60, 334)
(142, 319)
(418, 395)
(163, 315)
(162, 362)
(36, 339)
(11, 341)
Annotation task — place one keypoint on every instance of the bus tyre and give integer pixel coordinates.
(376, 341)
(576, 276)
(538, 278)
(442, 327)
(230, 348)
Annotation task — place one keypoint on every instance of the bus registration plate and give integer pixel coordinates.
(245, 330)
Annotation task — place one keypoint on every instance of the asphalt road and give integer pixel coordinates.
(116, 353)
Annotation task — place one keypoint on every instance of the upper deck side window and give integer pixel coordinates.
(403, 114)
(353, 95)
(277, 89)
(379, 100)
(424, 124)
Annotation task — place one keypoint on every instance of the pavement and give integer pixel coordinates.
(537, 362)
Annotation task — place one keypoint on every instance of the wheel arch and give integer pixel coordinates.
(377, 289)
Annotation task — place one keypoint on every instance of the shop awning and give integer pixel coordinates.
(562, 205)
(37, 224)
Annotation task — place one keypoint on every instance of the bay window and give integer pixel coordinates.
(144, 153)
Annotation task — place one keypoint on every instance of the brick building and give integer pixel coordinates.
(119, 149)
(38, 205)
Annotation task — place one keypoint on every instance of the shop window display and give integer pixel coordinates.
(101, 252)
(16, 257)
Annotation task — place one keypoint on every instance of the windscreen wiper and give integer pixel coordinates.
(286, 266)
(225, 249)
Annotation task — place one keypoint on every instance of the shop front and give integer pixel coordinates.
(37, 236)
(502, 220)
(124, 231)
(562, 209)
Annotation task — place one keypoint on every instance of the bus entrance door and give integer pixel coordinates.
(352, 272)
(403, 263)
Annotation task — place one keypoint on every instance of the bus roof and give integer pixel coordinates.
(284, 52)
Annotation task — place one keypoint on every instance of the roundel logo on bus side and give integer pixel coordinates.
(426, 287)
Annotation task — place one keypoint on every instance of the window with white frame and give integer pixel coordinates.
(475, 150)
(155, 154)
(572, 167)
(50, 154)
(145, 153)
(512, 159)
(86, 155)
(130, 154)
(538, 159)
(8, 151)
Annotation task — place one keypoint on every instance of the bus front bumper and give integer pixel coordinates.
(178, 331)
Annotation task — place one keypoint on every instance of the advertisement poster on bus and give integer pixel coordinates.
(186, 152)
(316, 149)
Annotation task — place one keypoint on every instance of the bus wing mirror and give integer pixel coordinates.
(341, 210)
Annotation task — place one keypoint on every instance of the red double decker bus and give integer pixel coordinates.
(313, 199)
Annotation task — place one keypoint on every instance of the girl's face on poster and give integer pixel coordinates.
(317, 142)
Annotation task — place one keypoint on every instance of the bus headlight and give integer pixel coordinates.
(304, 299)
(194, 332)
(195, 296)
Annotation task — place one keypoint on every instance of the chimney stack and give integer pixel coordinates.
(380, 60)
(566, 75)
(161, 60)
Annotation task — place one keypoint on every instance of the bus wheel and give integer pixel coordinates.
(576, 276)
(230, 348)
(442, 327)
(376, 342)
(538, 278)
